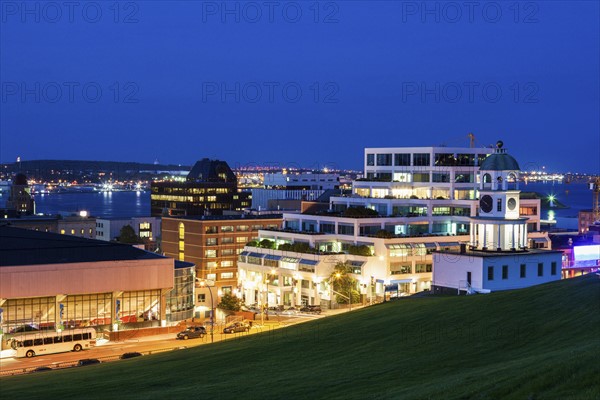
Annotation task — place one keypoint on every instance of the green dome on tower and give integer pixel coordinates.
(499, 161)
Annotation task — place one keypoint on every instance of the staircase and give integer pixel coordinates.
(466, 286)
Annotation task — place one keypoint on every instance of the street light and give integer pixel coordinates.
(204, 283)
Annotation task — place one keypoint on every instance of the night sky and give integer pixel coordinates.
(298, 82)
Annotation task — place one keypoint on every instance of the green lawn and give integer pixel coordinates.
(537, 343)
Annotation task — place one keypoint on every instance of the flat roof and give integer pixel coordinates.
(27, 247)
(494, 253)
(227, 217)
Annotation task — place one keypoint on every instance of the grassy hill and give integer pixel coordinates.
(537, 343)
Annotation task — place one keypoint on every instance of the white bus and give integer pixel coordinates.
(49, 342)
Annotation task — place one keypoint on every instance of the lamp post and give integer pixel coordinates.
(204, 283)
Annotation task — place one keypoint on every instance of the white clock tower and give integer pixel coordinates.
(498, 226)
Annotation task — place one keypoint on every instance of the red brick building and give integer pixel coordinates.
(213, 243)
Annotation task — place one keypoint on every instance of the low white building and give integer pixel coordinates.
(301, 181)
(500, 255)
(145, 227)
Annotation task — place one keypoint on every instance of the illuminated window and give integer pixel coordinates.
(227, 263)
(241, 239)
(227, 275)
(145, 226)
(210, 253)
(62, 231)
(181, 245)
(181, 256)
(211, 241)
(211, 264)
(227, 228)
(82, 231)
(211, 277)
(72, 231)
(181, 231)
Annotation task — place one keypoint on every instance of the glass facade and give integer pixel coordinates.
(38, 312)
(85, 310)
(78, 311)
(180, 300)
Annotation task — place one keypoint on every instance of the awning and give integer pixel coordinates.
(401, 281)
(244, 253)
(257, 255)
(539, 240)
(449, 244)
(399, 246)
(357, 263)
(272, 257)
(430, 245)
(308, 262)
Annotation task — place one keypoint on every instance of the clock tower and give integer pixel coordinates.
(498, 226)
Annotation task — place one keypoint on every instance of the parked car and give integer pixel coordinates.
(132, 354)
(192, 332)
(24, 328)
(311, 309)
(42, 369)
(237, 327)
(87, 361)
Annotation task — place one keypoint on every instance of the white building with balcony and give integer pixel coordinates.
(411, 203)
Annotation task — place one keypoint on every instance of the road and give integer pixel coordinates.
(147, 344)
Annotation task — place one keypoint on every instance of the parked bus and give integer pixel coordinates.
(36, 343)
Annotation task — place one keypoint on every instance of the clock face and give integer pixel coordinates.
(486, 203)
(512, 203)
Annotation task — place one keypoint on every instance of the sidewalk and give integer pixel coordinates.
(8, 353)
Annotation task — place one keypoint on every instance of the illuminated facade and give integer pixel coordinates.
(213, 244)
(499, 254)
(50, 281)
(209, 189)
(411, 203)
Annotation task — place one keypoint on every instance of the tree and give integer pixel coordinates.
(127, 235)
(344, 284)
(267, 244)
(359, 212)
(360, 250)
(230, 302)
(382, 233)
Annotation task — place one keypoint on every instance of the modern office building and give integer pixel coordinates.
(213, 244)
(497, 256)
(145, 227)
(209, 189)
(53, 281)
(411, 203)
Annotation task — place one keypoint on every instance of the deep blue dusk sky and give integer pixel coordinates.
(370, 74)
